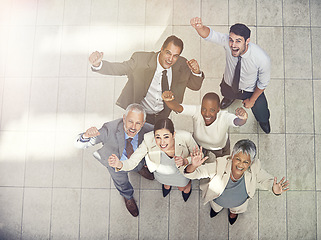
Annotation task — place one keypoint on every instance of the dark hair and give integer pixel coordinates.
(211, 96)
(241, 30)
(176, 41)
(164, 123)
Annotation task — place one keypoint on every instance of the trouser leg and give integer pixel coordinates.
(121, 182)
(217, 208)
(260, 109)
(240, 209)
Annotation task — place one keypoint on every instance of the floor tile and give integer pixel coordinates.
(153, 215)
(272, 216)
(301, 215)
(191, 42)
(269, 13)
(65, 202)
(46, 57)
(23, 13)
(242, 11)
(74, 45)
(234, 138)
(298, 107)
(184, 12)
(298, 62)
(214, 13)
(131, 14)
(275, 97)
(155, 36)
(119, 83)
(71, 106)
(5, 12)
(315, 7)
(77, 12)
(23, 49)
(11, 212)
(120, 217)
(39, 159)
(242, 229)
(318, 162)
(159, 13)
(316, 52)
(50, 13)
(43, 104)
(296, 13)
(266, 36)
(12, 158)
(179, 218)
(104, 12)
(4, 31)
(213, 56)
(67, 162)
(318, 213)
(1, 99)
(317, 104)
(36, 213)
(146, 184)
(301, 176)
(94, 219)
(272, 158)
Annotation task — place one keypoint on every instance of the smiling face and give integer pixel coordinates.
(209, 110)
(169, 55)
(133, 122)
(165, 140)
(240, 163)
(238, 45)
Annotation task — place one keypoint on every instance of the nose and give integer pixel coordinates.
(171, 57)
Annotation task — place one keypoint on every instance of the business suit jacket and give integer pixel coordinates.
(219, 174)
(112, 136)
(140, 70)
(184, 144)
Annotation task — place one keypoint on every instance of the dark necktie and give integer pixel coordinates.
(237, 74)
(129, 147)
(165, 86)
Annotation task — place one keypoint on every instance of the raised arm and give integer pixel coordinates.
(202, 30)
(87, 139)
(169, 99)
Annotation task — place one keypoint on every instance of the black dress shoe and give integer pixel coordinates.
(226, 103)
(213, 213)
(232, 220)
(265, 126)
(186, 195)
(166, 191)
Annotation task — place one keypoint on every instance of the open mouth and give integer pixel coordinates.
(132, 130)
(240, 169)
(162, 146)
(235, 50)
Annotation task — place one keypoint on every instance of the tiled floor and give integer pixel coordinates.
(51, 190)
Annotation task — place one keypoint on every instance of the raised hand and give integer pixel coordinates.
(247, 103)
(241, 113)
(196, 157)
(114, 162)
(91, 132)
(196, 23)
(95, 58)
(193, 65)
(168, 96)
(280, 187)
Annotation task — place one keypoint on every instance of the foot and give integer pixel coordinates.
(166, 191)
(146, 173)
(265, 126)
(213, 213)
(232, 217)
(226, 103)
(186, 195)
(131, 206)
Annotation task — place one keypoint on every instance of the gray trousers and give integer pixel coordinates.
(121, 180)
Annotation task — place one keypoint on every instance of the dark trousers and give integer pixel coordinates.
(121, 180)
(153, 118)
(225, 151)
(260, 109)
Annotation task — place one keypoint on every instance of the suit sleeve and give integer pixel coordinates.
(135, 158)
(88, 142)
(264, 179)
(195, 82)
(204, 171)
(118, 68)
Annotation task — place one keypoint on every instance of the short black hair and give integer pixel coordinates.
(211, 96)
(164, 123)
(176, 41)
(241, 30)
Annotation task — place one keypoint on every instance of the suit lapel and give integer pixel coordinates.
(150, 71)
(175, 75)
(120, 135)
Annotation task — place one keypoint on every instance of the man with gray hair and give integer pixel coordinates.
(121, 137)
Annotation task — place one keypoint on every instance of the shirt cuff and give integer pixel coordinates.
(197, 74)
(97, 68)
(81, 139)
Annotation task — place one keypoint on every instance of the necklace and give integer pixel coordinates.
(234, 179)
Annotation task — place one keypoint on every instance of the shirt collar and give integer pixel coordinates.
(134, 138)
(159, 68)
(248, 52)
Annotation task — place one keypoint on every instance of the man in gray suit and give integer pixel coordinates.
(120, 137)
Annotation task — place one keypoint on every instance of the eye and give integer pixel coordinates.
(212, 110)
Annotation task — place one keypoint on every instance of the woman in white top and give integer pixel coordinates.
(210, 123)
(165, 151)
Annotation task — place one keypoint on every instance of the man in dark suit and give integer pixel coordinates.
(120, 137)
(151, 73)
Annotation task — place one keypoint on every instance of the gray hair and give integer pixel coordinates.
(245, 146)
(135, 107)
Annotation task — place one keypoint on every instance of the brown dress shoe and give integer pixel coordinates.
(146, 173)
(131, 206)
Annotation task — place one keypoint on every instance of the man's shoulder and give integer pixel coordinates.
(142, 54)
(259, 53)
(113, 124)
(147, 128)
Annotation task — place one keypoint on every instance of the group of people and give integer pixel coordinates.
(145, 140)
